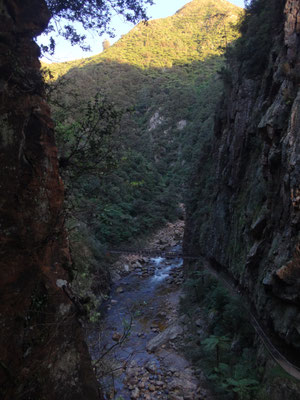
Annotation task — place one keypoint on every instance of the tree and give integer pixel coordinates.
(92, 15)
(105, 44)
(88, 144)
(217, 343)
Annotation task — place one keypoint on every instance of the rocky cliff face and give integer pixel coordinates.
(251, 222)
(42, 352)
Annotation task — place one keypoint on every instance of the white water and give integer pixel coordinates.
(162, 273)
(157, 260)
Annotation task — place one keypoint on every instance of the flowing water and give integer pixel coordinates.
(139, 308)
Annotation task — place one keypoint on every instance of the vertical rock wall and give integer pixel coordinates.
(42, 352)
(252, 227)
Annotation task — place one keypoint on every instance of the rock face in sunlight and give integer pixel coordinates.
(42, 350)
(254, 210)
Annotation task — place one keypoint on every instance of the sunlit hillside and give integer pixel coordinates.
(200, 29)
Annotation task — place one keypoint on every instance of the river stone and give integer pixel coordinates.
(199, 322)
(116, 336)
(152, 388)
(172, 361)
(135, 394)
(151, 367)
(175, 396)
(141, 385)
(137, 265)
(170, 333)
(184, 382)
(115, 277)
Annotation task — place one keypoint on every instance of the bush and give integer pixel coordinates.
(225, 354)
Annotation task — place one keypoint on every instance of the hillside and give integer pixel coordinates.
(201, 29)
(162, 66)
(165, 71)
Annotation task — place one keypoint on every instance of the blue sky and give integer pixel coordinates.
(161, 9)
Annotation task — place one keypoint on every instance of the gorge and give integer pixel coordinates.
(200, 108)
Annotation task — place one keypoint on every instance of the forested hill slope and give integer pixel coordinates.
(165, 71)
(201, 29)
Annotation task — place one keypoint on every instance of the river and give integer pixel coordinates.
(134, 346)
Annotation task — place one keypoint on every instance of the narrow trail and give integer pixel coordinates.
(278, 352)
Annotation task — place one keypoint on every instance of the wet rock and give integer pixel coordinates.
(115, 277)
(172, 361)
(137, 264)
(175, 396)
(126, 268)
(162, 314)
(199, 322)
(151, 367)
(184, 382)
(170, 333)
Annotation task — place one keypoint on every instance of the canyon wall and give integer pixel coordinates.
(244, 207)
(42, 352)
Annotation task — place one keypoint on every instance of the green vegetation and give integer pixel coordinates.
(87, 143)
(198, 31)
(165, 73)
(225, 349)
(150, 99)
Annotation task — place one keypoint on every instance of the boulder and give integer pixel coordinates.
(170, 333)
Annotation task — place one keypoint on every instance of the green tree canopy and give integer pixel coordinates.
(92, 15)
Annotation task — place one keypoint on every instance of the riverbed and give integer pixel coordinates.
(135, 347)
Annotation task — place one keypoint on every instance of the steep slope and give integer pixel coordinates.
(164, 71)
(197, 31)
(39, 358)
(243, 209)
